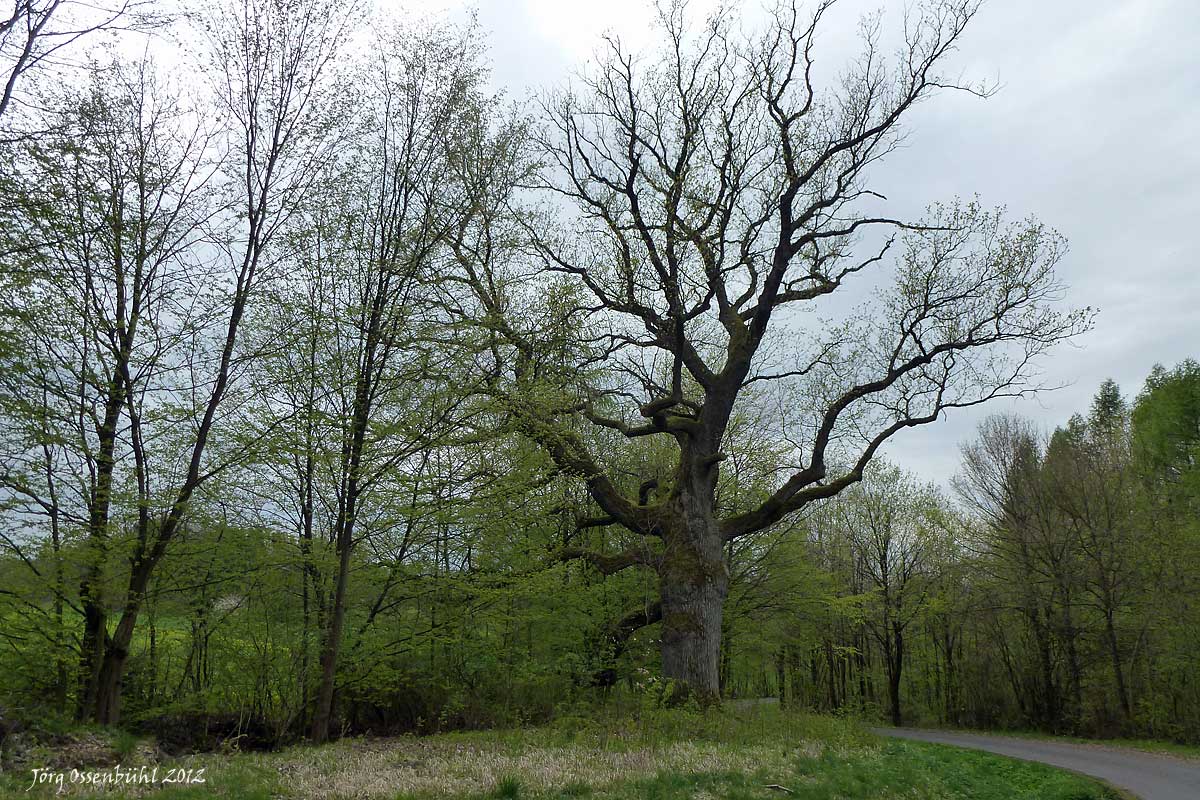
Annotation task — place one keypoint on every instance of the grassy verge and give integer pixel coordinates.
(1145, 745)
(736, 754)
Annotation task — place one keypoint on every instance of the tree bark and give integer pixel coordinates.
(1075, 672)
(832, 666)
(108, 696)
(329, 651)
(693, 584)
(352, 455)
(1118, 670)
(895, 665)
(860, 667)
(95, 620)
(781, 676)
(1049, 702)
(107, 702)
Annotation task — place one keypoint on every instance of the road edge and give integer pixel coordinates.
(1118, 792)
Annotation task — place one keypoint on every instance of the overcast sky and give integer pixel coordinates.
(1094, 131)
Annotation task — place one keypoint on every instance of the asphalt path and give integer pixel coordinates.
(1150, 776)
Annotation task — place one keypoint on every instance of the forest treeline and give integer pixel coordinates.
(1054, 589)
(340, 393)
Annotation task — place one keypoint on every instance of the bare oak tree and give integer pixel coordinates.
(691, 207)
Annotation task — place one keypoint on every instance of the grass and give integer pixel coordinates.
(1145, 745)
(744, 754)
(1148, 745)
(125, 744)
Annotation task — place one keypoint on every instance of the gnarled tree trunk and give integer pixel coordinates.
(693, 586)
(693, 583)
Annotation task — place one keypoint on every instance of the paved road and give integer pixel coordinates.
(1150, 776)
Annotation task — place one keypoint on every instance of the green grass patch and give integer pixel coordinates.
(1145, 745)
(755, 753)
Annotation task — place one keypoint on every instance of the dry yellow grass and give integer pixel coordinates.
(385, 768)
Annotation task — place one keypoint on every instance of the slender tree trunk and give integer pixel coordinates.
(344, 543)
(726, 657)
(895, 665)
(1114, 651)
(1075, 671)
(1046, 702)
(60, 660)
(331, 646)
(781, 676)
(860, 661)
(95, 621)
(308, 578)
(843, 680)
(153, 688)
(1052, 702)
(951, 684)
(814, 679)
(60, 586)
(829, 662)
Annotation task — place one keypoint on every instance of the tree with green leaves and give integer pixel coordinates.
(1166, 430)
(1097, 492)
(113, 204)
(387, 233)
(892, 525)
(1031, 552)
(160, 261)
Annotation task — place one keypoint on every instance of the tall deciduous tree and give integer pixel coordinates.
(114, 202)
(1030, 550)
(394, 223)
(1097, 490)
(710, 196)
(892, 524)
(271, 64)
